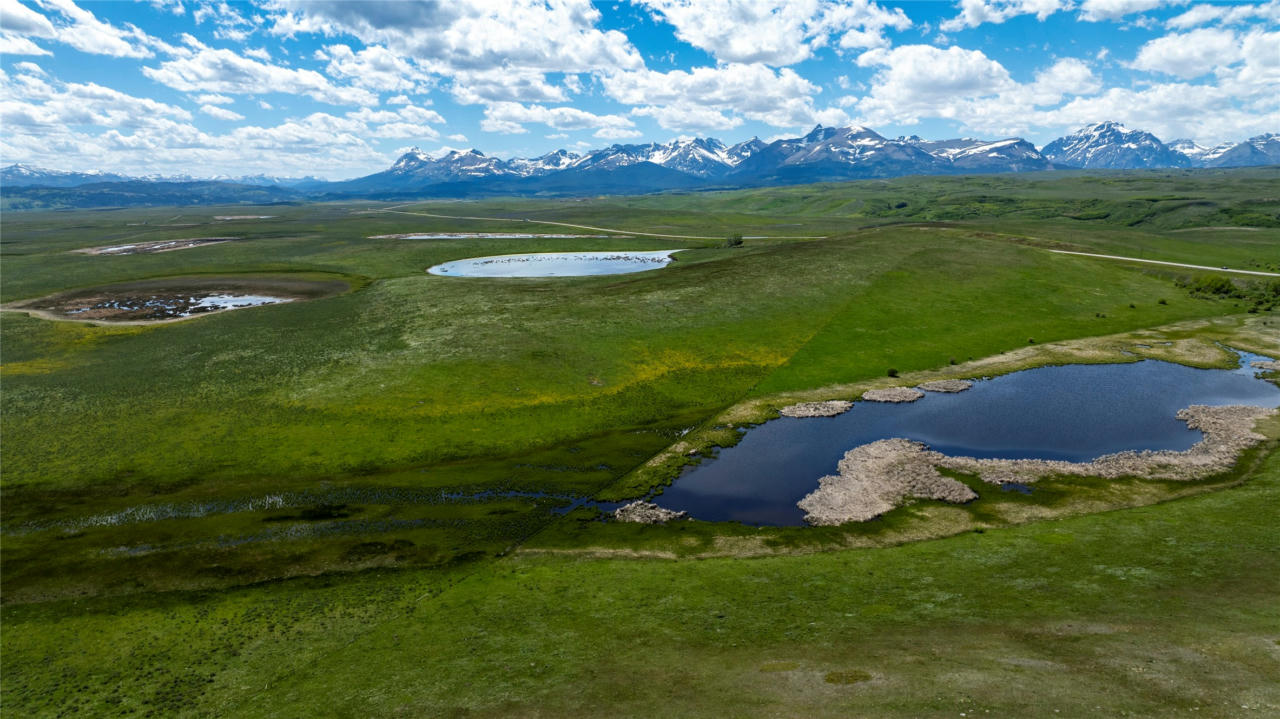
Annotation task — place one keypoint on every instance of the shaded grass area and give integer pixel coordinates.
(1148, 611)
(113, 539)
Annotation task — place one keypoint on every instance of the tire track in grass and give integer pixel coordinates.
(1168, 264)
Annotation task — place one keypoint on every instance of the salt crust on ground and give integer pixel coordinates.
(878, 476)
(833, 407)
(646, 513)
(874, 478)
(830, 408)
(141, 248)
(893, 394)
(946, 385)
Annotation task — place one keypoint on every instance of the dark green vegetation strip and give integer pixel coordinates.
(1149, 612)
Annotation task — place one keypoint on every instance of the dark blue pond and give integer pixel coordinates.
(1072, 412)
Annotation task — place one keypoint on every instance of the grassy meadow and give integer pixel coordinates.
(369, 504)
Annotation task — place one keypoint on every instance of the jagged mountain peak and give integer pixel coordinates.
(27, 174)
(1111, 145)
(859, 131)
(824, 153)
(412, 158)
(1106, 126)
(818, 134)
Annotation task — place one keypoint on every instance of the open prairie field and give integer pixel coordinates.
(374, 491)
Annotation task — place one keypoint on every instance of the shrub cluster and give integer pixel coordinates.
(1263, 295)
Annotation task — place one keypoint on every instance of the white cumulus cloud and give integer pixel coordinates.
(475, 87)
(96, 127)
(83, 31)
(223, 71)
(15, 45)
(976, 12)
(776, 32)
(19, 19)
(375, 68)
(1225, 15)
(688, 118)
(916, 81)
(1099, 10)
(1190, 55)
(541, 35)
(781, 98)
(510, 118)
(1206, 113)
(221, 113)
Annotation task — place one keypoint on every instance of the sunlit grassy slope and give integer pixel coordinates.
(281, 511)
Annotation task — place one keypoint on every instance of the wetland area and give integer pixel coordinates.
(176, 298)
(362, 487)
(1066, 413)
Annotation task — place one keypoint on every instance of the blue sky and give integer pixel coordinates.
(337, 89)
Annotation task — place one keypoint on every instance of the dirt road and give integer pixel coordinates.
(1169, 264)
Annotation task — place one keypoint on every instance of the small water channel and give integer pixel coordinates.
(556, 264)
(1072, 412)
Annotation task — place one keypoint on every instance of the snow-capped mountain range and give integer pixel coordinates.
(700, 157)
(1113, 146)
(20, 174)
(1260, 150)
(28, 175)
(824, 154)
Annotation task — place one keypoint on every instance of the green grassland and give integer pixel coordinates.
(319, 507)
(1156, 612)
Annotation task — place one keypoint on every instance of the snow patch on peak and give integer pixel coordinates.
(1111, 145)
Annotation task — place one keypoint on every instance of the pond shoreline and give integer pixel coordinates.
(175, 299)
(555, 264)
(1191, 343)
(878, 477)
(1099, 420)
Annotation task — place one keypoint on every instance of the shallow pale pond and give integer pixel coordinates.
(170, 298)
(228, 302)
(171, 307)
(1073, 412)
(556, 264)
